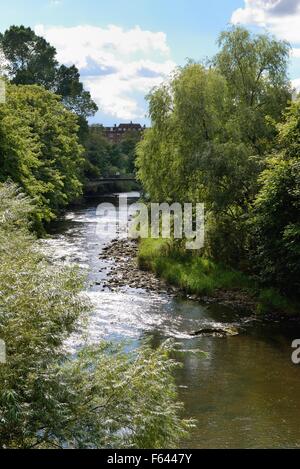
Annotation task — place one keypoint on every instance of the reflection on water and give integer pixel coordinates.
(244, 394)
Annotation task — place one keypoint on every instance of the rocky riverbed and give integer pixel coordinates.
(218, 391)
(124, 272)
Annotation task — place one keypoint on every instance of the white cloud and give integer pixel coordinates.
(118, 66)
(281, 17)
(296, 84)
(295, 53)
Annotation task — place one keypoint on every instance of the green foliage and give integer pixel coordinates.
(31, 60)
(185, 123)
(104, 158)
(255, 68)
(74, 97)
(102, 398)
(276, 215)
(270, 300)
(192, 273)
(203, 276)
(39, 148)
(37, 135)
(130, 399)
(127, 149)
(210, 130)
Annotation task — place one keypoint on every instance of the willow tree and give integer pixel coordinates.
(255, 68)
(187, 115)
(190, 154)
(211, 128)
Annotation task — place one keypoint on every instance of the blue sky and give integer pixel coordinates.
(125, 47)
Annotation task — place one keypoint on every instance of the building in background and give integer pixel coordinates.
(116, 133)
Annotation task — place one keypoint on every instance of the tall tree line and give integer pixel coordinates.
(43, 123)
(220, 131)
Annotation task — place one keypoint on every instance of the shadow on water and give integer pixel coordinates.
(244, 394)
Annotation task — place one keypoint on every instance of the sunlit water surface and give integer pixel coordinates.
(245, 394)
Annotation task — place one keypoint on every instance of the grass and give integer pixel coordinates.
(270, 299)
(193, 274)
(198, 275)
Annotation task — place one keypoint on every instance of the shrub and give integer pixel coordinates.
(275, 220)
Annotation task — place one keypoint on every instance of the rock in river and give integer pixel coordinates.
(217, 331)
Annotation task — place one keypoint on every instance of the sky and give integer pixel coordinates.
(124, 48)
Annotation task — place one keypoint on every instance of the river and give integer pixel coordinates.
(244, 394)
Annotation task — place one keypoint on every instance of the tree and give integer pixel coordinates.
(190, 155)
(184, 121)
(39, 148)
(69, 87)
(99, 161)
(255, 68)
(32, 60)
(276, 215)
(2, 64)
(104, 158)
(211, 127)
(127, 148)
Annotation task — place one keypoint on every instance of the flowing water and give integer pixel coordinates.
(244, 394)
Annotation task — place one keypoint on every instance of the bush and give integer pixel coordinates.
(275, 219)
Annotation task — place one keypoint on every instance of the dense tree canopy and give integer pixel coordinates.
(184, 121)
(255, 68)
(276, 214)
(101, 156)
(211, 128)
(32, 60)
(39, 148)
(68, 86)
(104, 158)
(127, 149)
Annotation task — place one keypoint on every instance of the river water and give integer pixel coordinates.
(244, 394)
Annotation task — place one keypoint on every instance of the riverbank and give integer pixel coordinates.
(149, 266)
(125, 270)
(202, 279)
(128, 270)
(217, 391)
(144, 266)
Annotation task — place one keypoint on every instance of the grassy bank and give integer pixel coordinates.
(200, 276)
